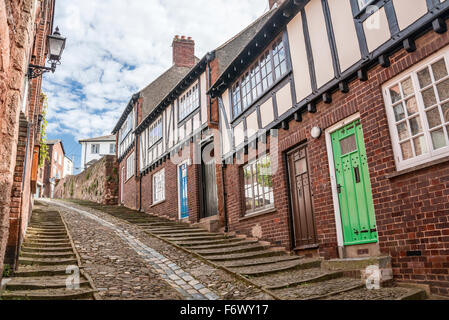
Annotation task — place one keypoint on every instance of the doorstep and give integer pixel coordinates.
(210, 224)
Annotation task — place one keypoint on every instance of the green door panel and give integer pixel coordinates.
(353, 185)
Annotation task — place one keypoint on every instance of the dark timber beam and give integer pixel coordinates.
(439, 26)
(362, 74)
(327, 98)
(285, 125)
(298, 116)
(311, 107)
(409, 45)
(343, 87)
(384, 61)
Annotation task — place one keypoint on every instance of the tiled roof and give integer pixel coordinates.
(103, 138)
(156, 91)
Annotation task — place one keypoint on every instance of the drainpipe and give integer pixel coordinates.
(140, 193)
(225, 209)
(290, 209)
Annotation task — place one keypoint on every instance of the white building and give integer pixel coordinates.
(68, 167)
(95, 148)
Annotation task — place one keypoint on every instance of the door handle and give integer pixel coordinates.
(357, 174)
(339, 188)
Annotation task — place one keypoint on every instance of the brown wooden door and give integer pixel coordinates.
(301, 199)
(210, 199)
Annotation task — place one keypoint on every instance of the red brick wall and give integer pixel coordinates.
(130, 190)
(51, 165)
(170, 207)
(411, 210)
(183, 52)
(17, 34)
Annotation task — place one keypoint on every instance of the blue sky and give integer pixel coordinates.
(116, 47)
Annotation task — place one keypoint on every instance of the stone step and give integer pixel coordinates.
(47, 261)
(41, 271)
(319, 290)
(52, 229)
(390, 293)
(257, 271)
(174, 231)
(257, 262)
(193, 238)
(39, 283)
(186, 234)
(34, 238)
(231, 250)
(46, 233)
(45, 249)
(290, 277)
(38, 255)
(188, 244)
(247, 255)
(46, 240)
(161, 224)
(29, 242)
(223, 245)
(46, 244)
(49, 294)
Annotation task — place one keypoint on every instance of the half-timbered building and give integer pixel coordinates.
(165, 145)
(335, 133)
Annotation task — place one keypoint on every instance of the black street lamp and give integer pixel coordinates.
(55, 45)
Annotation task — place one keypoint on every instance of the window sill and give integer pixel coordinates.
(418, 167)
(258, 213)
(156, 203)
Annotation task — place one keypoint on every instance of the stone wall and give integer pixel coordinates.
(16, 37)
(98, 183)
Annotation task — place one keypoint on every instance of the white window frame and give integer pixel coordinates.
(130, 166)
(112, 148)
(431, 155)
(254, 209)
(97, 148)
(189, 101)
(158, 191)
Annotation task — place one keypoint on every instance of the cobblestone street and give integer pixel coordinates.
(125, 263)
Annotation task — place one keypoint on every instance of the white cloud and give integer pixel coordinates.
(116, 47)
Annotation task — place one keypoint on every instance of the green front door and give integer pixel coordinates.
(353, 185)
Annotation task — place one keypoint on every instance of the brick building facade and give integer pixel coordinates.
(24, 25)
(343, 108)
(53, 167)
(329, 125)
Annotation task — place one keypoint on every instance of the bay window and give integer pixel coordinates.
(418, 113)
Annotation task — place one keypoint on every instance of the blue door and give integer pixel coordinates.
(184, 200)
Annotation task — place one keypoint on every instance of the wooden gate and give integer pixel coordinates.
(301, 199)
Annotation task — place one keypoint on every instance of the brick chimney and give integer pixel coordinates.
(183, 51)
(273, 2)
